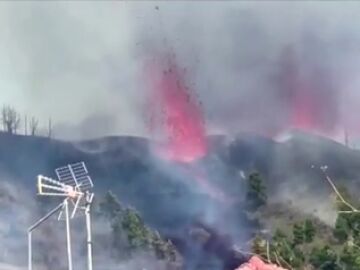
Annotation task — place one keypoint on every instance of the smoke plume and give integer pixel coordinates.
(261, 67)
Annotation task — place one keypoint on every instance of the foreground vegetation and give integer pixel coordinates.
(304, 244)
(130, 235)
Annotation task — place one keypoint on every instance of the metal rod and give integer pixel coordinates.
(76, 206)
(47, 179)
(62, 189)
(65, 189)
(72, 174)
(68, 237)
(48, 215)
(29, 251)
(88, 232)
(53, 194)
(41, 220)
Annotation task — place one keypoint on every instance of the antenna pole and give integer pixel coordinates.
(68, 238)
(33, 227)
(29, 251)
(88, 230)
(44, 218)
(74, 184)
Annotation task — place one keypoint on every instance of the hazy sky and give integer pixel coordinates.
(81, 62)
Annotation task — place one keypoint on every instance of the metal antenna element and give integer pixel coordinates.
(75, 185)
(337, 192)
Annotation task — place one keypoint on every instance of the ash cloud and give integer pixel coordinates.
(72, 61)
(263, 67)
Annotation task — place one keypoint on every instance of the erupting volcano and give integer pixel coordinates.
(309, 95)
(177, 115)
(303, 115)
(311, 110)
(180, 118)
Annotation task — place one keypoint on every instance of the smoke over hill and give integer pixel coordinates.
(254, 71)
(254, 66)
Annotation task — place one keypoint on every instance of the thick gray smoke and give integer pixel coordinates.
(81, 63)
(264, 67)
(72, 62)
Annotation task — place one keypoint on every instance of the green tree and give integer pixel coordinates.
(353, 222)
(298, 234)
(350, 258)
(138, 234)
(165, 251)
(309, 231)
(110, 207)
(341, 230)
(324, 259)
(259, 246)
(279, 235)
(130, 233)
(303, 232)
(256, 194)
(283, 248)
(340, 205)
(122, 248)
(298, 258)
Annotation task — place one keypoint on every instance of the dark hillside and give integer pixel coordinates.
(126, 165)
(168, 195)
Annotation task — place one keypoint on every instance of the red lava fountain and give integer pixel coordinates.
(304, 111)
(178, 116)
(182, 121)
(310, 96)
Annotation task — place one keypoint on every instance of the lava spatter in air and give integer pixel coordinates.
(175, 114)
(178, 115)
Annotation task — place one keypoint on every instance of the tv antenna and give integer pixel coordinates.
(75, 186)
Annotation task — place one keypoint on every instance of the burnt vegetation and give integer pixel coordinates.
(13, 122)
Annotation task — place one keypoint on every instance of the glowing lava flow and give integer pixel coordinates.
(179, 117)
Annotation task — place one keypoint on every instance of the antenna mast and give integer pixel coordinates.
(75, 185)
